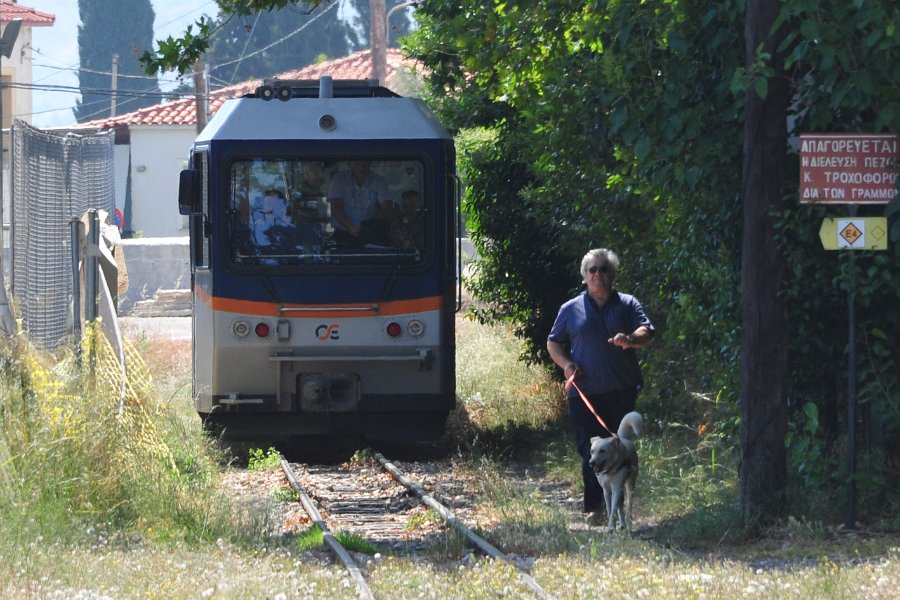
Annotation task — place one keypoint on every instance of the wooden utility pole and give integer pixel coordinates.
(114, 85)
(764, 318)
(378, 43)
(200, 94)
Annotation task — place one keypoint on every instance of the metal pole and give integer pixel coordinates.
(90, 302)
(74, 237)
(850, 520)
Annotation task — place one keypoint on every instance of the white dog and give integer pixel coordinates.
(615, 463)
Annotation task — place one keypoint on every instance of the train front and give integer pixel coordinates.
(322, 249)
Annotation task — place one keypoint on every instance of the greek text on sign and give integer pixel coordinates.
(837, 168)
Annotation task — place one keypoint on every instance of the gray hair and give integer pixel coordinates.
(611, 258)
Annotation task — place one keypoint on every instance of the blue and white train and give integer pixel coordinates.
(323, 303)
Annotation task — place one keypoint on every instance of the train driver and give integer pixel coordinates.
(354, 196)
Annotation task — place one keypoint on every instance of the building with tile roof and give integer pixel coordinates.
(15, 70)
(10, 10)
(152, 143)
(183, 111)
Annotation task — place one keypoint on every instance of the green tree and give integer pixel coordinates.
(102, 33)
(660, 128)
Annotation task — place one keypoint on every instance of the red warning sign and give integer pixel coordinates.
(837, 168)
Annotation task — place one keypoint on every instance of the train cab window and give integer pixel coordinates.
(309, 211)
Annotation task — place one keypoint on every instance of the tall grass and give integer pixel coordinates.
(105, 495)
(688, 476)
(85, 452)
(498, 396)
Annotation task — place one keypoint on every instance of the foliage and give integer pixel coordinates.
(101, 34)
(620, 124)
(261, 460)
(355, 542)
(599, 134)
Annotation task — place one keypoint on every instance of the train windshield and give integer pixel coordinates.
(309, 211)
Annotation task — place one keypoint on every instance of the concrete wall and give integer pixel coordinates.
(154, 264)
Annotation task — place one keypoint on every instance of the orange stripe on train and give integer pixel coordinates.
(271, 309)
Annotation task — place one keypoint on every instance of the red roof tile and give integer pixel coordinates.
(10, 11)
(183, 111)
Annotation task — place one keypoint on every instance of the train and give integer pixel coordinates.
(324, 267)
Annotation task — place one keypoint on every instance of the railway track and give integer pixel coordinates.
(386, 507)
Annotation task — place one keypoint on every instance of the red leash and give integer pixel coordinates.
(588, 404)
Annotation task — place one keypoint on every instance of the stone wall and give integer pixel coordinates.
(154, 264)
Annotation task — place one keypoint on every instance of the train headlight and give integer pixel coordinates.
(327, 123)
(262, 330)
(240, 328)
(416, 328)
(393, 329)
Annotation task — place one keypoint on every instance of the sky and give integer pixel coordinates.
(55, 52)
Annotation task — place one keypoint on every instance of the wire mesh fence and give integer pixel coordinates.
(54, 178)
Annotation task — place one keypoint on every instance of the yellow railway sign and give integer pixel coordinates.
(854, 233)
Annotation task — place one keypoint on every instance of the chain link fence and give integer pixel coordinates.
(55, 178)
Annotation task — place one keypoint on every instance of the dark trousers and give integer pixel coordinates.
(612, 407)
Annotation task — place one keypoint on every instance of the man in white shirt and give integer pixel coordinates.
(354, 196)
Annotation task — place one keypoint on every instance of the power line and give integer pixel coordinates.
(247, 43)
(98, 91)
(278, 41)
(96, 72)
(133, 95)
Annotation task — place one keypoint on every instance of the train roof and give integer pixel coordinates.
(349, 111)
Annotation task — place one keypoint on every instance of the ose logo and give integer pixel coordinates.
(328, 332)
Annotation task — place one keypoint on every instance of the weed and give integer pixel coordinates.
(355, 542)
(286, 494)
(261, 460)
(423, 519)
(310, 538)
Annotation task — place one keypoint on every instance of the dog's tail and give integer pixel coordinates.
(631, 427)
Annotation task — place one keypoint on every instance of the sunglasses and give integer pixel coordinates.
(601, 269)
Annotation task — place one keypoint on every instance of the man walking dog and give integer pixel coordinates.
(594, 340)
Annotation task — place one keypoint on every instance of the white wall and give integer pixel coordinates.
(158, 154)
(18, 68)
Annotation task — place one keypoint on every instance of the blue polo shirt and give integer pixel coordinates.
(585, 328)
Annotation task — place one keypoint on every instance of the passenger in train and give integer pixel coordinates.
(355, 195)
(309, 209)
(308, 200)
(268, 212)
(408, 229)
(374, 232)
